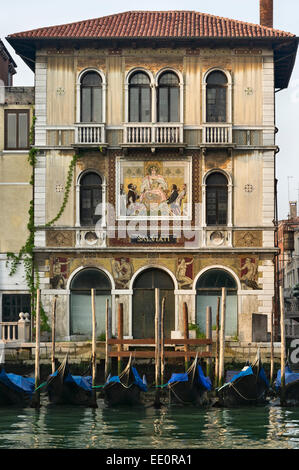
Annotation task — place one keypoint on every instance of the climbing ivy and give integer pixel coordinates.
(67, 190)
(26, 253)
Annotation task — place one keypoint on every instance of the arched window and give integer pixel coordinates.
(216, 199)
(90, 197)
(216, 97)
(208, 289)
(80, 304)
(91, 97)
(139, 98)
(168, 98)
(143, 320)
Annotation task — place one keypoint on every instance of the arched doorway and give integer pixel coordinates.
(80, 303)
(143, 321)
(208, 288)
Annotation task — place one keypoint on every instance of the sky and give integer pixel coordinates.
(20, 15)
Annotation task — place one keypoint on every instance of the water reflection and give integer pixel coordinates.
(168, 427)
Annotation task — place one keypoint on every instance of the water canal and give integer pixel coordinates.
(265, 427)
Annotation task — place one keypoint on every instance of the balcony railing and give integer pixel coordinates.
(217, 134)
(166, 133)
(90, 134)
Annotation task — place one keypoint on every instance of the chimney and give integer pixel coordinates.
(266, 13)
(293, 209)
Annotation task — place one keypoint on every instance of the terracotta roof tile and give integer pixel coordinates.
(155, 24)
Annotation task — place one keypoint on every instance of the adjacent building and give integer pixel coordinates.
(156, 166)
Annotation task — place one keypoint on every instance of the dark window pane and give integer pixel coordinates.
(23, 130)
(216, 178)
(217, 78)
(152, 278)
(97, 105)
(86, 105)
(140, 78)
(216, 278)
(216, 104)
(11, 130)
(91, 79)
(216, 199)
(13, 304)
(145, 105)
(90, 197)
(91, 179)
(134, 104)
(174, 104)
(90, 279)
(163, 105)
(169, 78)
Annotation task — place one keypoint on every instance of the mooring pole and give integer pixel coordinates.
(36, 397)
(209, 337)
(272, 345)
(217, 344)
(162, 341)
(94, 346)
(186, 333)
(120, 334)
(107, 345)
(282, 342)
(53, 333)
(222, 337)
(157, 345)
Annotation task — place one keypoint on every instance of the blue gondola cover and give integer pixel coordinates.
(18, 382)
(183, 377)
(290, 377)
(84, 382)
(137, 380)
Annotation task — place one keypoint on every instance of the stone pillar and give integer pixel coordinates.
(24, 328)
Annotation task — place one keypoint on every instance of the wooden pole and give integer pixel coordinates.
(108, 336)
(120, 334)
(36, 398)
(162, 341)
(208, 336)
(186, 332)
(157, 346)
(222, 337)
(53, 333)
(283, 350)
(94, 345)
(271, 344)
(217, 344)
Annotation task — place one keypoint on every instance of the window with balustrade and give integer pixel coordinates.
(168, 98)
(139, 98)
(216, 199)
(216, 97)
(91, 194)
(91, 110)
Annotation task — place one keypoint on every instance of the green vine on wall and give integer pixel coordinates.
(26, 253)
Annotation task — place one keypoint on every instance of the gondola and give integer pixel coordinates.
(15, 389)
(63, 388)
(190, 387)
(248, 387)
(126, 388)
(291, 390)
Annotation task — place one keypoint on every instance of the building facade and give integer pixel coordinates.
(156, 166)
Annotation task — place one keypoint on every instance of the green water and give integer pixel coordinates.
(102, 428)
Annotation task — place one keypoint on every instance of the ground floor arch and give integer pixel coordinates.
(143, 302)
(80, 301)
(208, 289)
